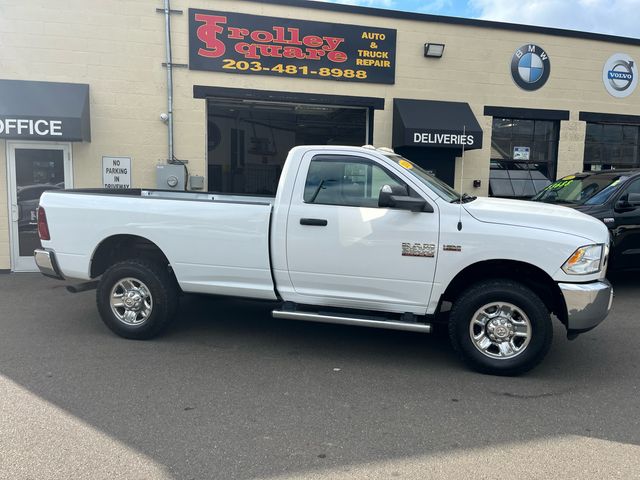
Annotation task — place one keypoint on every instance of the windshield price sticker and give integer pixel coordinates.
(559, 184)
(258, 45)
(405, 164)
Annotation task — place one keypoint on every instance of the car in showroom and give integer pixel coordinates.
(611, 196)
(28, 200)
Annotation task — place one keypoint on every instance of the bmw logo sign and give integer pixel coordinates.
(530, 67)
(620, 75)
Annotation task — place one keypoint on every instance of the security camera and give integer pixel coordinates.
(164, 117)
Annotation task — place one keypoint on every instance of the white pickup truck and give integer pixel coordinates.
(357, 236)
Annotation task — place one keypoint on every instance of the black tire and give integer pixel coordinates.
(163, 298)
(483, 294)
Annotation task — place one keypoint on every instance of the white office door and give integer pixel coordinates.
(33, 167)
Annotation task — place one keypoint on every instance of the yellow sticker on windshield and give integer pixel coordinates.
(569, 177)
(405, 164)
(615, 182)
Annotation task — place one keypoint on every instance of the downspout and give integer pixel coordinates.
(167, 30)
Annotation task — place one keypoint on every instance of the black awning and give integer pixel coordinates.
(44, 111)
(431, 123)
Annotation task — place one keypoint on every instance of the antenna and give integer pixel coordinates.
(464, 142)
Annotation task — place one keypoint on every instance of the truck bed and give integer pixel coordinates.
(176, 195)
(215, 243)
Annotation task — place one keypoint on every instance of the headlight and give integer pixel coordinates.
(584, 261)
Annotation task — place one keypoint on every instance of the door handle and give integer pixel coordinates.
(15, 213)
(316, 222)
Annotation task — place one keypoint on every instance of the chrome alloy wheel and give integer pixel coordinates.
(500, 330)
(131, 301)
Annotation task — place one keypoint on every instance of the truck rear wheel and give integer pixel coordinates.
(500, 327)
(136, 299)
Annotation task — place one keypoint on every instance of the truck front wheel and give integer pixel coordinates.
(136, 299)
(500, 327)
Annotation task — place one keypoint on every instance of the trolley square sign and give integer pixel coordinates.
(258, 45)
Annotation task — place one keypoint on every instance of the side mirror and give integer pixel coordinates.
(627, 202)
(398, 197)
(633, 199)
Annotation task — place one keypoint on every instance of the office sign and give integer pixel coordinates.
(31, 110)
(116, 172)
(259, 45)
(31, 128)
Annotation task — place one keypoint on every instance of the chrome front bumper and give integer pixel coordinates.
(588, 304)
(46, 262)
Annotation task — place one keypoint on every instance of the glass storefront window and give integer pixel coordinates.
(523, 156)
(37, 170)
(248, 141)
(611, 146)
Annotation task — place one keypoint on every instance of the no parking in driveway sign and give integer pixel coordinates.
(116, 172)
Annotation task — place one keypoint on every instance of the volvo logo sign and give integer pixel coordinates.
(620, 75)
(530, 67)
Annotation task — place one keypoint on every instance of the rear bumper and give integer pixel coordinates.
(46, 262)
(588, 304)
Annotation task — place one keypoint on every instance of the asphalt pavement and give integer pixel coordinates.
(230, 393)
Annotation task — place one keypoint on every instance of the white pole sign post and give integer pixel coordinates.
(116, 172)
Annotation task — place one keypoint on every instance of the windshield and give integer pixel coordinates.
(572, 190)
(438, 186)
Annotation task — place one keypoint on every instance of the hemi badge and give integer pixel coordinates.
(452, 248)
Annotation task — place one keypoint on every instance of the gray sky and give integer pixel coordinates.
(614, 17)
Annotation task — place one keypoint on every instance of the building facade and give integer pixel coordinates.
(84, 98)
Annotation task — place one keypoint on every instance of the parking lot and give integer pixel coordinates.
(230, 393)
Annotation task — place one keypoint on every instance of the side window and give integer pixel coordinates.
(346, 181)
(633, 188)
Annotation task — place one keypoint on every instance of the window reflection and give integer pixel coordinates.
(611, 146)
(523, 156)
(248, 141)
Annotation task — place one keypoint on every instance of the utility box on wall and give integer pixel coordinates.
(171, 176)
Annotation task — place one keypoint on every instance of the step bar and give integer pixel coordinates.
(354, 321)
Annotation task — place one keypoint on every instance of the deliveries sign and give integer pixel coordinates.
(251, 44)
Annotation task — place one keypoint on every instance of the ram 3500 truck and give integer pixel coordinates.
(357, 236)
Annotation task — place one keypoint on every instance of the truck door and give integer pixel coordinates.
(627, 228)
(343, 250)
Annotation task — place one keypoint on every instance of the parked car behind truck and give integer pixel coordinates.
(611, 196)
(357, 236)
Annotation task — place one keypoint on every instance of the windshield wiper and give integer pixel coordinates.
(563, 202)
(465, 198)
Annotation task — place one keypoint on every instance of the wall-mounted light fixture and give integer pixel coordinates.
(434, 50)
